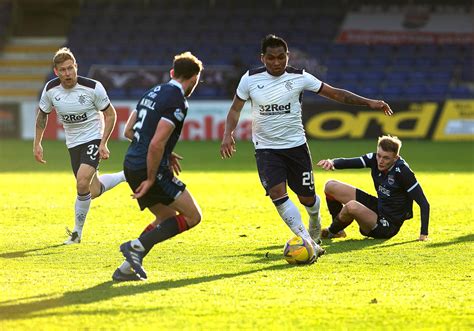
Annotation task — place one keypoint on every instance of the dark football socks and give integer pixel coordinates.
(336, 225)
(148, 228)
(334, 206)
(167, 229)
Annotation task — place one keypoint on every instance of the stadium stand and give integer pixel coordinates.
(117, 38)
(5, 17)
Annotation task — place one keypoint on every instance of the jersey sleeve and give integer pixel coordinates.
(311, 83)
(45, 103)
(414, 190)
(369, 160)
(101, 99)
(173, 115)
(407, 178)
(174, 112)
(243, 90)
(354, 163)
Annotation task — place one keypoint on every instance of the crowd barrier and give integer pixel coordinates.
(449, 120)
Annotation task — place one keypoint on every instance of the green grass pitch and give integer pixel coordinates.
(229, 273)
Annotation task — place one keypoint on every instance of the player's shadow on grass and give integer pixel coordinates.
(274, 252)
(461, 239)
(343, 246)
(24, 253)
(106, 291)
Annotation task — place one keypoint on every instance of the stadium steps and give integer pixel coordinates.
(25, 63)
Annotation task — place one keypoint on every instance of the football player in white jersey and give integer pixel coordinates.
(278, 134)
(80, 104)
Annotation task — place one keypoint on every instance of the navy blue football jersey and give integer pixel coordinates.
(393, 186)
(163, 102)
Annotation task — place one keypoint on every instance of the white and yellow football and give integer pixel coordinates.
(298, 251)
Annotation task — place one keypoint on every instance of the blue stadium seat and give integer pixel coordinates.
(461, 92)
(440, 76)
(437, 89)
(117, 94)
(414, 92)
(217, 32)
(372, 75)
(369, 91)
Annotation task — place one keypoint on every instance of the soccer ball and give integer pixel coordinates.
(298, 251)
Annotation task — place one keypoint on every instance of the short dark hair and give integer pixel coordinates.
(273, 41)
(390, 144)
(186, 65)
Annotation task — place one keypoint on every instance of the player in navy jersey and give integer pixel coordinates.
(396, 186)
(281, 152)
(150, 162)
(80, 104)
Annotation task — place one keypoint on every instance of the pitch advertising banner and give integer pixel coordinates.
(205, 121)
(335, 121)
(451, 120)
(456, 121)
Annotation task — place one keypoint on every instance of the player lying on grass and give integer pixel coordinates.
(80, 104)
(150, 162)
(396, 186)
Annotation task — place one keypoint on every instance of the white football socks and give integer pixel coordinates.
(137, 245)
(109, 181)
(292, 217)
(314, 226)
(82, 205)
(126, 268)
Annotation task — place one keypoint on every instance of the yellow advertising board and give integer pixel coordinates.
(456, 121)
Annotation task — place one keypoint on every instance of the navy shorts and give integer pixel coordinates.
(292, 165)
(87, 153)
(384, 228)
(165, 190)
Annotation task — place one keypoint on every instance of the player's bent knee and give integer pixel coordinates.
(351, 207)
(94, 194)
(194, 219)
(330, 186)
(307, 201)
(82, 186)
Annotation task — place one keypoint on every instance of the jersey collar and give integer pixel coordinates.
(177, 84)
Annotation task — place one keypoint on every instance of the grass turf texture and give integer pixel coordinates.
(229, 272)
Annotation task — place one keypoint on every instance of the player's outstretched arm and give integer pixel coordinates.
(347, 97)
(40, 126)
(418, 195)
(326, 164)
(228, 141)
(110, 118)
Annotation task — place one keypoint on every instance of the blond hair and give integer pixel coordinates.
(62, 55)
(390, 143)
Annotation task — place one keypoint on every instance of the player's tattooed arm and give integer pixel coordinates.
(41, 122)
(350, 98)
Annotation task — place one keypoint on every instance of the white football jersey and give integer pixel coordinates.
(79, 109)
(276, 105)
